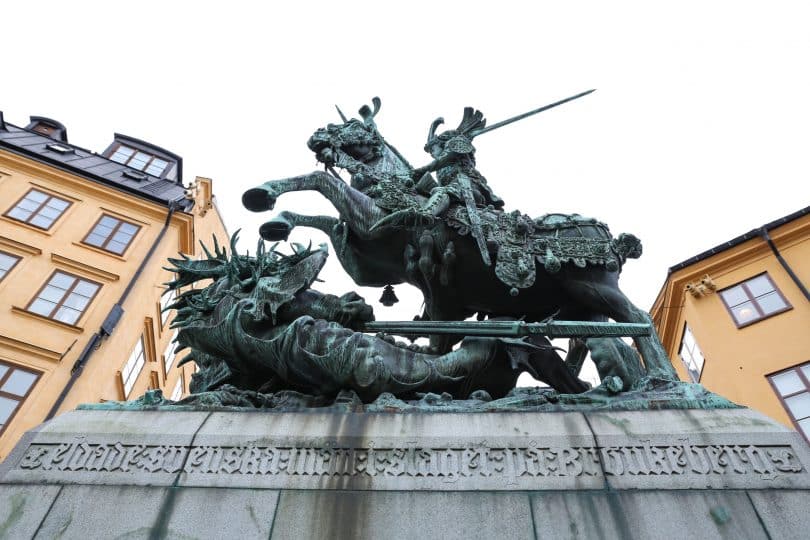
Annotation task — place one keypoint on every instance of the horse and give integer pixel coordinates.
(534, 277)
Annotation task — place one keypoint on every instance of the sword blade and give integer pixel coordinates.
(530, 113)
(475, 220)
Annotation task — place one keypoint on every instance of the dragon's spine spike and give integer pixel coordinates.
(234, 240)
(205, 250)
(219, 250)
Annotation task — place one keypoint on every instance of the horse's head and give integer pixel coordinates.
(355, 138)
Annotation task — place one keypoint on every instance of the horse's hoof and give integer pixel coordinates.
(258, 200)
(275, 231)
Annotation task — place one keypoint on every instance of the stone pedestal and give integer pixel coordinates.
(655, 474)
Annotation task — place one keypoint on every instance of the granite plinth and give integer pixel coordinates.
(713, 473)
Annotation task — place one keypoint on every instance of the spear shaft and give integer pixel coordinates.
(527, 114)
(551, 329)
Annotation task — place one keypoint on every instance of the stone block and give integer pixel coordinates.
(90, 512)
(785, 513)
(22, 509)
(213, 513)
(528, 451)
(699, 449)
(437, 451)
(391, 515)
(649, 514)
(105, 447)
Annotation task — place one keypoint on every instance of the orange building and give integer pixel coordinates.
(83, 239)
(736, 318)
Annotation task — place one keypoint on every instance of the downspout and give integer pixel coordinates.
(763, 232)
(111, 321)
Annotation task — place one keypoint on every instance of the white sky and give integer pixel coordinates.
(699, 130)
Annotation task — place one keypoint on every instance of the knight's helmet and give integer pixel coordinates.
(457, 140)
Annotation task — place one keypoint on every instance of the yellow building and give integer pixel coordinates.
(83, 239)
(737, 319)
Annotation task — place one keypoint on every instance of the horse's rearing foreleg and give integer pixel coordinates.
(278, 228)
(356, 208)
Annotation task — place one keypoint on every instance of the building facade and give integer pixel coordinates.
(83, 239)
(736, 318)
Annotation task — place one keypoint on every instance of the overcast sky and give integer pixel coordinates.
(699, 130)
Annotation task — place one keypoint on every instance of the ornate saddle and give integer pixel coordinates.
(552, 240)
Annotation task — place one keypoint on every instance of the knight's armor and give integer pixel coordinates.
(459, 181)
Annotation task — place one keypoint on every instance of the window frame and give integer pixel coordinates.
(34, 213)
(168, 298)
(152, 157)
(134, 376)
(62, 300)
(687, 328)
(181, 385)
(169, 356)
(761, 316)
(108, 239)
(8, 395)
(782, 398)
(17, 260)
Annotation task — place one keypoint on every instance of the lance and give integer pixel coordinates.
(551, 329)
(478, 132)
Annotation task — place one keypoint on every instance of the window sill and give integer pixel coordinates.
(101, 251)
(53, 322)
(46, 232)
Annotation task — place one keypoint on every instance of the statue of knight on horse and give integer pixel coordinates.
(450, 237)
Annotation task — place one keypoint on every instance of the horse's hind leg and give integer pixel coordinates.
(606, 298)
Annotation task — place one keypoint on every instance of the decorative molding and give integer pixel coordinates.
(61, 194)
(19, 247)
(99, 250)
(126, 217)
(149, 343)
(31, 168)
(29, 348)
(59, 324)
(702, 287)
(85, 268)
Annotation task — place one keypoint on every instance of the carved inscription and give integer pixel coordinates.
(447, 464)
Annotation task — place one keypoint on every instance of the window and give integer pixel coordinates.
(133, 367)
(793, 388)
(177, 393)
(15, 385)
(691, 355)
(165, 301)
(753, 300)
(111, 234)
(168, 354)
(38, 209)
(64, 298)
(7, 262)
(59, 149)
(141, 161)
(44, 129)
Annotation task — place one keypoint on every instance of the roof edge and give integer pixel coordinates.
(753, 233)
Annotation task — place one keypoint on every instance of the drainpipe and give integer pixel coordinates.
(765, 236)
(111, 321)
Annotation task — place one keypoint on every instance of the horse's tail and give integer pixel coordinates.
(627, 246)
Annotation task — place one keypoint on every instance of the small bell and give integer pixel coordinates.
(388, 297)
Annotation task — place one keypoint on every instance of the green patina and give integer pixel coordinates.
(263, 338)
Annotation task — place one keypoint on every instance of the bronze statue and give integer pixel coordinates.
(515, 266)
